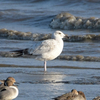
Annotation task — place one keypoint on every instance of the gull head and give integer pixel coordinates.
(59, 34)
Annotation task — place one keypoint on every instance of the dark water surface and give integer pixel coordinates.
(35, 15)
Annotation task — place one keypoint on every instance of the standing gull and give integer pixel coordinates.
(48, 50)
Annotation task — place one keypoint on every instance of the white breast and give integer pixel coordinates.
(54, 52)
(14, 92)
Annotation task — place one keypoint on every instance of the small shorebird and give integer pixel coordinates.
(8, 90)
(73, 95)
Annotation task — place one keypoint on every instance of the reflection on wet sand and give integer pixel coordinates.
(34, 83)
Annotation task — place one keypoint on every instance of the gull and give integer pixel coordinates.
(9, 91)
(48, 49)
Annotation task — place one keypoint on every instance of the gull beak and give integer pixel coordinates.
(67, 37)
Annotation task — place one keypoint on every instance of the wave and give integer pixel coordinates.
(61, 57)
(18, 35)
(67, 21)
(39, 13)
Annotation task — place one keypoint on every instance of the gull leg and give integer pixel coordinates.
(45, 69)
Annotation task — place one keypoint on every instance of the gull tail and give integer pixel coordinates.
(14, 53)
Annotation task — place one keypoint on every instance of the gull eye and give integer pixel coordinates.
(59, 33)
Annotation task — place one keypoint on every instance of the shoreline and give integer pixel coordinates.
(66, 67)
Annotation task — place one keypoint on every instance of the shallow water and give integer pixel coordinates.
(62, 76)
(34, 84)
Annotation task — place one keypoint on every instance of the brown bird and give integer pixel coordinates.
(8, 90)
(97, 98)
(73, 95)
(4, 82)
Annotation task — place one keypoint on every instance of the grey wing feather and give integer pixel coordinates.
(4, 92)
(44, 47)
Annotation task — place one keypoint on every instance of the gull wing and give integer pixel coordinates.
(45, 47)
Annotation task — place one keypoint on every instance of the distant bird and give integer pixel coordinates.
(73, 95)
(8, 90)
(97, 98)
(48, 50)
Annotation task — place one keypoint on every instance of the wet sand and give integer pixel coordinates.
(35, 84)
